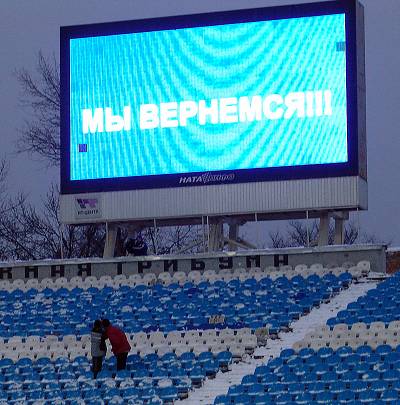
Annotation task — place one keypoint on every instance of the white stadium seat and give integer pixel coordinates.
(364, 266)
(316, 267)
(179, 277)
(194, 276)
(165, 278)
(149, 279)
(300, 268)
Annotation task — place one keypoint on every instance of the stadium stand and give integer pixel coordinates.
(357, 362)
(45, 340)
(142, 304)
(379, 305)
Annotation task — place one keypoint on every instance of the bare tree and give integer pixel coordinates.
(297, 232)
(351, 234)
(296, 235)
(174, 239)
(7, 206)
(21, 231)
(4, 167)
(40, 135)
(29, 234)
(3, 209)
(278, 240)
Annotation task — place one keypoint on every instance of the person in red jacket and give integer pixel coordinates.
(119, 343)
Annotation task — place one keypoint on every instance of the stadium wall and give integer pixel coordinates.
(375, 254)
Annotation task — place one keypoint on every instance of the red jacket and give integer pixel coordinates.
(118, 340)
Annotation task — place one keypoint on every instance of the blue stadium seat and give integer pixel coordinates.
(296, 389)
(116, 400)
(268, 378)
(235, 390)
(282, 371)
(277, 389)
(321, 369)
(17, 396)
(183, 385)
(324, 397)
(344, 351)
(53, 392)
(255, 390)
(283, 399)
(332, 360)
(391, 396)
(222, 400)
(372, 359)
(129, 393)
(371, 376)
(197, 375)
(242, 399)
(289, 377)
(304, 398)
(263, 399)
(379, 386)
(104, 375)
(211, 368)
(368, 397)
(391, 376)
(324, 352)
(329, 377)
(224, 359)
(383, 350)
(358, 386)
(249, 380)
(35, 396)
(337, 387)
(349, 376)
(316, 388)
(147, 394)
(71, 394)
(346, 396)
(313, 361)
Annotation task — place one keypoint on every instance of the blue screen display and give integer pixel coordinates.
(237, 96)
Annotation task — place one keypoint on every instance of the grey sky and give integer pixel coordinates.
(28, 26)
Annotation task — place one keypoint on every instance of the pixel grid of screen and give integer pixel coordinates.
(282, 66)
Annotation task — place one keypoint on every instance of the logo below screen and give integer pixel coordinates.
(87, 208)
(207, 177)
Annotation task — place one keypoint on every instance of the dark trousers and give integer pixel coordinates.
(97, 364)
(121, 361)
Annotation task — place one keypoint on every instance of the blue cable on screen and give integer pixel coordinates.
(237, 96)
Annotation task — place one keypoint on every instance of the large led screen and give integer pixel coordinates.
(226, 100)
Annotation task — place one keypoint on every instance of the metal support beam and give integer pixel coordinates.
(155, 237)
(240, 243)
(339, 231)
(111, 238)
(340, 218)
(233, 236)
(216, 237)
(323, 237)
